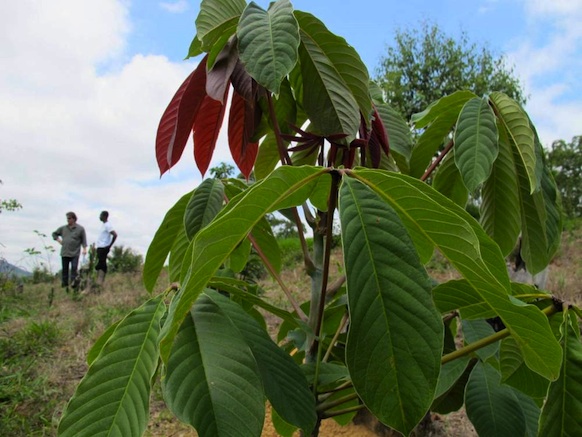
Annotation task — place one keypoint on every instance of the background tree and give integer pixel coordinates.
(565, 159)
(124, 260)
(423, 65)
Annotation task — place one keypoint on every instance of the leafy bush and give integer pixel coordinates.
(124, 260)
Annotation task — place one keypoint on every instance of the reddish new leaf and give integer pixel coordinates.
(206, 129)
(244, 153)
(176, 123)
(242, 82)
(218, 78)
(380, 133)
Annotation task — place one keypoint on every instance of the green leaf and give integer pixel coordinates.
(329, 374)
(436, 109)
(335, 80)
(475, 330)
(268, 42)
(395, 339)
(113, 397)
(239, 288)
(163, 241)
(216, 19)
(266, 243)
(267, 158)
(285, 187)
(100, 343)
(516, 122)
(212, 381)
(239, 256)
(448, 181)
(553, 212)
(283, 381)
(534, 243)
(460, 295)
(177, 254)
(443, 115)
(516, 374)
(195, 48)
(450, 374)
(203, 206)
(399, 135)
(499, 216)
(493, 408)
(454, 398)
(429, 215)
(475, 142)
(561, 413)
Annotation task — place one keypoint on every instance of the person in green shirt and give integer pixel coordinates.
(71, 237)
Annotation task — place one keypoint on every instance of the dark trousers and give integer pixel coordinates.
(73, 261)
(102, 258)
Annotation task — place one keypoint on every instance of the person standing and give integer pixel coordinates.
(107, 237)
(71, 237)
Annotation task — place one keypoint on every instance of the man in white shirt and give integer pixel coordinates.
(107, 237)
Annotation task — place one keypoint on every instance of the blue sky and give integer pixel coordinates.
(83, 85)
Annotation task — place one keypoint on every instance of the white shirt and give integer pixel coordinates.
(105, 236)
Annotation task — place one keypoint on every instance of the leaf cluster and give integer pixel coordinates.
(322, 143)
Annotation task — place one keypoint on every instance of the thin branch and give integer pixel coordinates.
(283, 154)
(332, 204)
(336, 336)
(437, 161)
(347, 384)
(277, 278)
(309, 266)
(329, 414)
(336, 402)
(470, 348)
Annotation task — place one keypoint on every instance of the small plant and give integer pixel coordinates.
(384, 336)
(41, 260)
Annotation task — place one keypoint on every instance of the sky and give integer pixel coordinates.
(83, 85)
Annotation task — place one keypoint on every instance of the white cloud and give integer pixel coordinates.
(75, 139)
(548, 58)
(176, 7)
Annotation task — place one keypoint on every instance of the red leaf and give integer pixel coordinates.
(378, 129)
(242, 150)
(218, 78)
(176, 123)
(206, 129)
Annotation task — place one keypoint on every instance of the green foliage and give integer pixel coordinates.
(384, 333)
(565, 160)
(124, 260)
(9, 204)
(425, 64)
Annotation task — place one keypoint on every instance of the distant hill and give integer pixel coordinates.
(6, 267)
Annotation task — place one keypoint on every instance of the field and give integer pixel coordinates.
(45, 334)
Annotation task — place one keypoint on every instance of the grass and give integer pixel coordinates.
(45, 334)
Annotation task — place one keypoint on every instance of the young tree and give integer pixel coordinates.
(565, 159)
(384, 335)
(425, 64)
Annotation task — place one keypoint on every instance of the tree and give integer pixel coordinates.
(425, 64)
(124, 260)
(565, 159)
(277, 70)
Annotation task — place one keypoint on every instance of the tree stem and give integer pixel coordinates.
(470, 348)
(437, 161)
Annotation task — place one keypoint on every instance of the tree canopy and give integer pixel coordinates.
(425, 64)
(565, 160)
